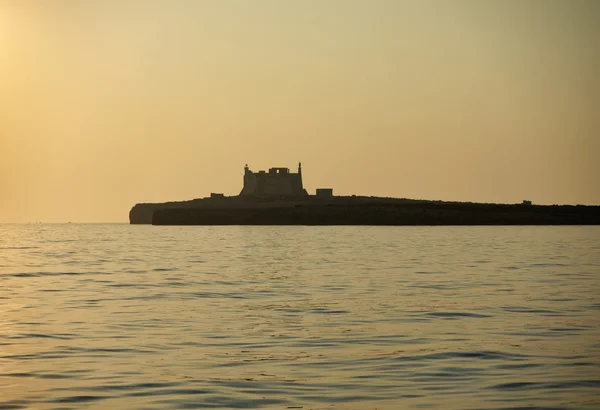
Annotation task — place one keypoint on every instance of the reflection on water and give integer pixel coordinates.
(119, 316)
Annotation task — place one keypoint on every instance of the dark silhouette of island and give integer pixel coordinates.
(278, 197)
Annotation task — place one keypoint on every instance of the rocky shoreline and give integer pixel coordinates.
(358, 211)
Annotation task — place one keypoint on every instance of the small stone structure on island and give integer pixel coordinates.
(324, 192)
(278, 182)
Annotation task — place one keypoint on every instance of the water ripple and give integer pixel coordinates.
(119, 316)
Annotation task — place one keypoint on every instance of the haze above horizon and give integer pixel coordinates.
(104, 104)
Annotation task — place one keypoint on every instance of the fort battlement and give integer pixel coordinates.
(277, 182)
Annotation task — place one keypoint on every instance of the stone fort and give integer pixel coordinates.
(278, 182)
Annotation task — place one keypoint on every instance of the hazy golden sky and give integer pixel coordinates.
(107, 103)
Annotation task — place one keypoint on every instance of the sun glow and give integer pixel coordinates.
(6, 26)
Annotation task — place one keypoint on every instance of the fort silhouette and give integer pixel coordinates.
(278, 182)
(278, 197)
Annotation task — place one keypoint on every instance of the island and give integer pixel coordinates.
(278, 197)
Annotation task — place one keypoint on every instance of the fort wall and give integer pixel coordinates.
(277, 182)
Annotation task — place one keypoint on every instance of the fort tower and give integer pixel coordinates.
(278, 182)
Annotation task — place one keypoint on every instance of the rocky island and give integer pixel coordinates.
(278, 197)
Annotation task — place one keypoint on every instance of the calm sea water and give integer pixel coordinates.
(142, 317)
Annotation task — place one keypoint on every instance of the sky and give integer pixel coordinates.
(107, 103)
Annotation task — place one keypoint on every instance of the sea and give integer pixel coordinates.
(118, 316)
